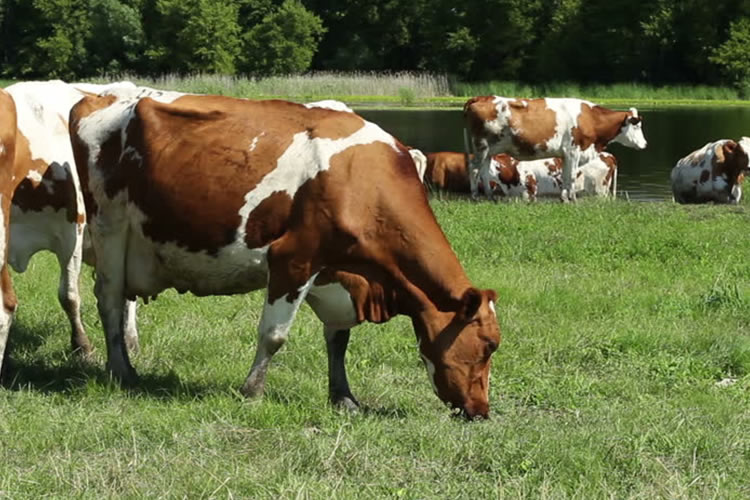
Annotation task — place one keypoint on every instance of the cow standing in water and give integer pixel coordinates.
(47, 211)
(216, 195)
(572, 129)
(713, 173)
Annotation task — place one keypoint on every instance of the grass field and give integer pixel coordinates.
(619, 322)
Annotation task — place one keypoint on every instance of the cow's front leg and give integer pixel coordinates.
(69, 296)
(275, 322)
(338, 385)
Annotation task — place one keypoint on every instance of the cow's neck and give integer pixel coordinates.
(428, 278)
(608, 124)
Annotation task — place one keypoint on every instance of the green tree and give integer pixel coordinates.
(194, 36)
(283, 42)
(116, 39)
(733, 56)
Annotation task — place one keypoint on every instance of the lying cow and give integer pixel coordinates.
(47, 210)
(216, 195)
(533, 179)
(571, 129)
(712, 173)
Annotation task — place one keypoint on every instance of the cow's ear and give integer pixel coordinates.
(470, 302)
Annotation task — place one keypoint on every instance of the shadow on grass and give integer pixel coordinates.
(22, 369)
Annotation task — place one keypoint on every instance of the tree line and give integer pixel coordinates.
(586, 41)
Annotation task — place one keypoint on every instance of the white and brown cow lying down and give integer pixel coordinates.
(448, 171)
(712, 173)
(571, 129)
(216, 195)
(47, 211)
(532, 179)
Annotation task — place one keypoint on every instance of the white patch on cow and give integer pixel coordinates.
(34, 176)
(254, 143)
(420, 162)
(330, 104)
(2, 148)
(428, 365)
(631, 134)
(491, 305)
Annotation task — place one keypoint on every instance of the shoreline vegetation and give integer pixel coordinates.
(427, 90)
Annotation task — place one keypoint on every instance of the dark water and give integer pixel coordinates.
(643, 175)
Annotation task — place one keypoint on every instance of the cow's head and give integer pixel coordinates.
(631, 131)
(457, 353)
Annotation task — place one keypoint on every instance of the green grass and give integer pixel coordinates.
(618, 320)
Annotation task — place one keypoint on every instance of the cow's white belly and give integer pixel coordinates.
(152, 267)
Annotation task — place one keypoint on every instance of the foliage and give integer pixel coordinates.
(532, 41)
(283, 41)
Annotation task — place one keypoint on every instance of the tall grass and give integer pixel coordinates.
(624, 372)
(416, 89)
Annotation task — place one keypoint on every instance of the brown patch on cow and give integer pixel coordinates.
(531, 188)
(598, 126)
(508, 172)
(553, 165)
(268, 220)
(10, 301)
(534, 125)
(705, 176)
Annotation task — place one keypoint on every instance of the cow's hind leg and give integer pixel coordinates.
(273, 331)
(110, 240)
(70, 299)
(338, 385)
(130, 328)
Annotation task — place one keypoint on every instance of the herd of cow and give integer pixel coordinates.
(216, 195)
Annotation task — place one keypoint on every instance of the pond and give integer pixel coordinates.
(643, 175)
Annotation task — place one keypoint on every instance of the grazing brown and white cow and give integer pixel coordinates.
(47, 211)
(10, 175)
(712, 173)
(571, 129)
(534, 179)
(216, 195)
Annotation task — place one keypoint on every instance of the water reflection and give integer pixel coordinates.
(644, 175)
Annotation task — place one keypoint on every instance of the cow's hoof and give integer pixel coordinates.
(346, 403)
(126, 377)
(251, 390)
(82, 350)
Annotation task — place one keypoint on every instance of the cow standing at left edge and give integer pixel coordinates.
(216, 195)
(571, 129)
